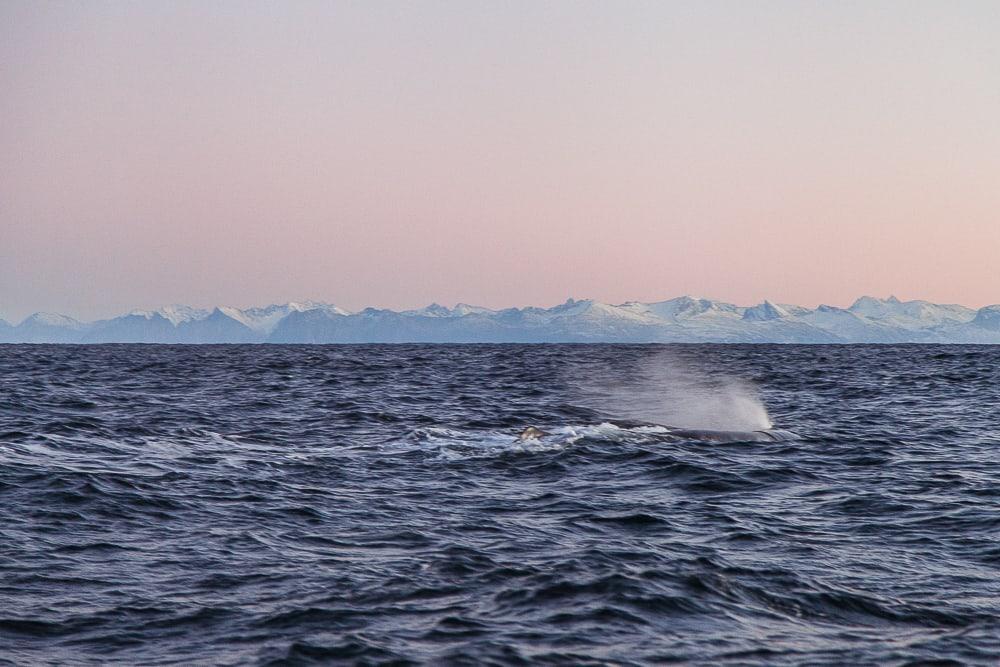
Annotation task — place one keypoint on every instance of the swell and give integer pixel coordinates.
(369, 504)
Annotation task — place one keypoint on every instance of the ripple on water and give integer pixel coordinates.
(366, 504)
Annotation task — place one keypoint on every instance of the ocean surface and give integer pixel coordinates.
(231, 505)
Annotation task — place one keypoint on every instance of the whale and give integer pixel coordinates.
(675, 433)
(704, 435)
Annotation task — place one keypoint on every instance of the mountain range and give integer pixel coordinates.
(682, 319)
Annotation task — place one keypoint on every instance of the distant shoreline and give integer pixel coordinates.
(680, 320)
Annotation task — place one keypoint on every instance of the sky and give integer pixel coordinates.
(497, 153)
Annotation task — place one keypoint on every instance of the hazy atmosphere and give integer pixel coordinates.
(501, 154)
(517, 332)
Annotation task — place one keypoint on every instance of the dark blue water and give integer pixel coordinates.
(288, 505)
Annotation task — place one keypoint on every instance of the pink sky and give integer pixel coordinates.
(395, 154)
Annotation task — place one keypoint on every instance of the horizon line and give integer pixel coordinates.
(313, 304)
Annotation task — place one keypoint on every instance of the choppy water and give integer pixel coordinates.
(269, 504)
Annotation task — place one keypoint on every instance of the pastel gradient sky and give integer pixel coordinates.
(498, 153)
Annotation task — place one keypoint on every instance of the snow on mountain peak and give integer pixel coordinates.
(685, 318)
(264, 319)
(304, 306)
(988, 317)
(910, 314)
(433, 310)
(51, 319)
(175, 313)
(437, 310)
(687, 307)
(261, 319)
(764, 312)
(572, 306)
(464, 309)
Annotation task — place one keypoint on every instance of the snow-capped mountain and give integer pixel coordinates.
(848, 326)
(766, 312)
(264, 320)
(175, 314)
(47, 328)
(911, 315)
(988, 318)
(682, 319)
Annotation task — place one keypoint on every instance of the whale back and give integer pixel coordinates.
(701, 435)
(770, 435)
